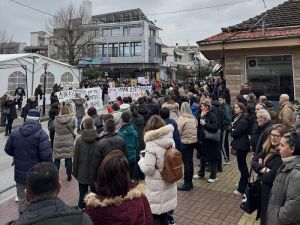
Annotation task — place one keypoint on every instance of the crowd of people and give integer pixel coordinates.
(110, 154)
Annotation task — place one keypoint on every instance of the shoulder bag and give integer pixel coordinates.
(216, 136)
(74, 135)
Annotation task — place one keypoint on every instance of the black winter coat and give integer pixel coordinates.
(29, 144)
(145, 112)
(12, 109)
(239, 134)
(52, 211)
(85, 160)
(208, 149)
(273, 163)
(259, 136)
(218, 111)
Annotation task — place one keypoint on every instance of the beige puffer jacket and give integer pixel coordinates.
(161, 195)
(286, 115)
(187, 127)
(63, 145)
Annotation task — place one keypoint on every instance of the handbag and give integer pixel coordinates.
(250, 199)
(216, 136)
(74, 135)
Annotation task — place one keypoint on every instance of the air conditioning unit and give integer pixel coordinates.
(252, 63)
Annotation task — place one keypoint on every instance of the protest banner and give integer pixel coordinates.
(133, 92)
(93, 97)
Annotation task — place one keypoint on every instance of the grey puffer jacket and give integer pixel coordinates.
(52, 211)
(63, 146)
(80, 112)
(284, 204)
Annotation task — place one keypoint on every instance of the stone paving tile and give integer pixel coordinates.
(206, 204)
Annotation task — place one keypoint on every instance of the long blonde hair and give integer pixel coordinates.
(267, 146)
(186, 110)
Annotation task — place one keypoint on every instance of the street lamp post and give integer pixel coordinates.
(44, 97)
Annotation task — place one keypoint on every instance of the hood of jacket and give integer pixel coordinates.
(30, 127)
(99, 201)
(127, 129)
(89, 135)
(158, 133)
(288, 104)
(117, 116)
(64, 118)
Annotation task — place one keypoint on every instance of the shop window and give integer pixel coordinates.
(270, 75)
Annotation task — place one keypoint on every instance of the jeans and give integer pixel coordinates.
(225, 145)
(187, 151)
(242, 165)
(68, 164)
(79, 119)
(83, 190)
(213, 168)
(21, 196)
(161, 219)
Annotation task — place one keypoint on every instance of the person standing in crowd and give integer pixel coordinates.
(53, 112)
(31, 103)
(119, 200)
(20, 92)
(116, 115)
(84, 152)
(226, 127)
(266, 164)
(130, 136)
(44, 207)
(240, 144)
(286, 114)
(32, 146)
(260, 131)
(92, 112)
(246, 90)
(137, 122)
(187, 127)
(153, 107)
(38, 92)
(284, 201)
(11, 113)
(125, 106)
(172, 106)
(161, 195)
(3, 115)
(80, 111)
(143, 110)
(108, 142)
(63, 145)
(196, 107)
(53, 97)
(225, 93)
(165, 115)
(105, 88)
(209, 148)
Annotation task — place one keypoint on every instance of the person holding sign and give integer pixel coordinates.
(80, 112)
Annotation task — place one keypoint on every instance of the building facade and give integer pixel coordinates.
(264, 51)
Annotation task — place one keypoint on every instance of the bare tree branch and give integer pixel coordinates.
(71, 32)
(6, 42)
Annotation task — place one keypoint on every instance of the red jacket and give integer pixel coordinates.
(133, 209)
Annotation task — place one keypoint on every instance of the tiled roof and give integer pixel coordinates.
(283, 15)
(257, 34)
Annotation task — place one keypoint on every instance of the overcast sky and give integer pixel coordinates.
(182, 28)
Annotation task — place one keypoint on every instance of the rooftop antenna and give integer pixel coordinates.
(264, 4)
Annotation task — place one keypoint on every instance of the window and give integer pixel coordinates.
(125, 31)
(270, 75)
(106, 32)
(66, 77)
(15, 80)
(49, 82)
(157, 50)
(113, 50)
(115, 31)
(152, 33)
(124, 49)
(101, 50)
(136, 48)
(135, 30)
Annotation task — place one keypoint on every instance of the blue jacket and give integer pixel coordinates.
(195, 110)
(176, 135)
(28, 144)
(128, 133)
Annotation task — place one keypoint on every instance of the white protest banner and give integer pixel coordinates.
(143, 80)
(93, 96)
(67, 85)
(133, 92)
